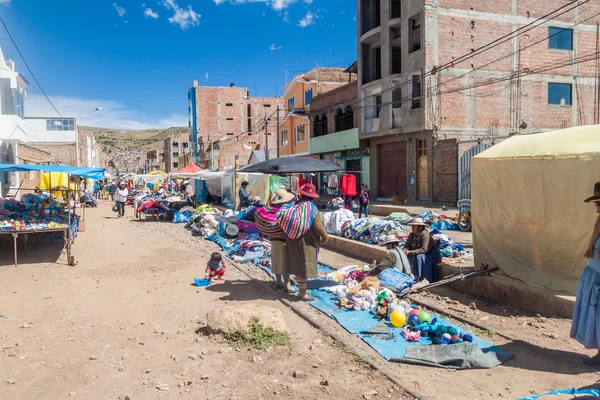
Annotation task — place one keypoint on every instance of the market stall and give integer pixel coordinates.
(36, 214)
(529, 217)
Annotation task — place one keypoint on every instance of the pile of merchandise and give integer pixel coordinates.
(33, 213)
(368, 230)
(356, 290)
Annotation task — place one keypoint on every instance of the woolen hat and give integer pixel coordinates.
(418, 221)
(390, 239)
(596, 196)
(282, 196)
(309, 190)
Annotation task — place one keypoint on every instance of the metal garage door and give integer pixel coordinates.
(392, 169)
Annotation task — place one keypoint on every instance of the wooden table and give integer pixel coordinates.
(15, 234)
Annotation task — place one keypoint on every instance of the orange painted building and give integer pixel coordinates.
(295, 126)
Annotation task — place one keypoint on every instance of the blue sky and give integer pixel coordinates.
(136, 58)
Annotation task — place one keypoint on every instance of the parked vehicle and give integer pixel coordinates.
(464, 215)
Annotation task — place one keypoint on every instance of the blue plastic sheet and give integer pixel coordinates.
(443, 225)
(584, 392)
(360, 321)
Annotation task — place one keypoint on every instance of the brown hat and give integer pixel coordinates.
(282, 196)
(596, 196)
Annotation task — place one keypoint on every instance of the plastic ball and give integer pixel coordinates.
(414, 312)
(398, 318)
(435, 340)
(436, 334)
(413, 320)
(424, 316)
(455, 341)
(444, 341)
(452, 331)
(446, 336)
(467, 338)
(455, 337)
(442, 329)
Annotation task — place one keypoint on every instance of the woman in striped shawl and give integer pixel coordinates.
(302, 251)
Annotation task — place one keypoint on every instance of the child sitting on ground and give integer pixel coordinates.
(215, 268)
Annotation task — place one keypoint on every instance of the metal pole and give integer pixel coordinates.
(266, 138)
(237, 181)
(277, 123)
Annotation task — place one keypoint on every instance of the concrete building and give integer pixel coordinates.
(154, 160)
(57, 136)
(227, 121)
(13, 128)
(425, 109)
(174, 147)
(334, 133)
(294, 123)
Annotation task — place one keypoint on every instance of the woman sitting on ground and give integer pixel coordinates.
(423, 254)
(395, 258)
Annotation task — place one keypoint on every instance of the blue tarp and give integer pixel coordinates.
(584, 392)
(96, 174)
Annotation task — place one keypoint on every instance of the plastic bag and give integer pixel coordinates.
(395, 279)
(115, 208)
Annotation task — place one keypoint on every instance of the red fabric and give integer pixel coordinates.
(191, 168)
(348, 185)
(301, 182)
(220, 273)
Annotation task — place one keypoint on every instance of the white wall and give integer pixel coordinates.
(39, 134)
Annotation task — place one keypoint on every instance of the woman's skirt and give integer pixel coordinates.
(301, 258)
(278, 256)
(586, 319)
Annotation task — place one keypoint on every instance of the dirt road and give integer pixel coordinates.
(124, 322)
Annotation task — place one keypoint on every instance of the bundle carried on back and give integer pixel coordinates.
(266, 223)
(296, 219)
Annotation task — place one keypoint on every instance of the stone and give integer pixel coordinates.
(10, 381)
(72, 394)
(256, 359)
(228, 319)
(148, 370)
(370, 394)
(93, 358)
(324, 383)
(473, 306)
(299, 374)
(162, 388)
(205, 377)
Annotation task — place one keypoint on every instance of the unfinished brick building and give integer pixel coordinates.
(227, 121)
(441, 80)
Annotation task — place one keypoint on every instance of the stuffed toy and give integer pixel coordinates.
(368, 282)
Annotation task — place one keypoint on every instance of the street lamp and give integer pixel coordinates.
(77, 133)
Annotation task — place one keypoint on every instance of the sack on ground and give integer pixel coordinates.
(394, 279)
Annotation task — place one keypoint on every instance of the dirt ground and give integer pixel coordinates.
(127, 321)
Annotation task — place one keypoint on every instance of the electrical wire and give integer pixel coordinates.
(28, 68)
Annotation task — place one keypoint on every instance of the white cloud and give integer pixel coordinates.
(307, 20)
(5, 2)
(183, 17)
(274, 4)
(113, 114)
(274, 47)
(120, 10)
(150, 14)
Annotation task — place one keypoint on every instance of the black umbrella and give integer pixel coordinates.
(292, 165)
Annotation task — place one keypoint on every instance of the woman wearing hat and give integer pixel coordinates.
(421, 252)
(395, 258)
(266, 222)
(302, 252)
(585, 326)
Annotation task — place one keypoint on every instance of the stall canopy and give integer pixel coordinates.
(92, 173)
(529, 217)
(190, 169)
(158, 172)
(292, 165)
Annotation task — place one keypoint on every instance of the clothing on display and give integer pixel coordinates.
(348, 185)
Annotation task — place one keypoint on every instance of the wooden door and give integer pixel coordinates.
(422, 170)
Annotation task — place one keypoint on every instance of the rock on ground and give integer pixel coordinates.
(228, 319)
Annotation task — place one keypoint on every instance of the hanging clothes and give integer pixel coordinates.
(348, 185)
(332, 181)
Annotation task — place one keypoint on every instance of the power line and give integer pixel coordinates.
(27, 65)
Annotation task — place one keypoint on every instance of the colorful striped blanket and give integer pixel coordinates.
(266, 222)
(296, 219)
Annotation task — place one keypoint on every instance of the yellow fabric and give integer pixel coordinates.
(158, 172)
(529, 217)
(59, 180)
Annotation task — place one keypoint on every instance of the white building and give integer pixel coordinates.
(13, 128)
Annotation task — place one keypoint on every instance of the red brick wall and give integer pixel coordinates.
(329, 102)
(445, 172)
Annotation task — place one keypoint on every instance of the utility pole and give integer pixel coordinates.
(277, 122)
(266, 138)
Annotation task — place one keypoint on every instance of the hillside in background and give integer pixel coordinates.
(115, 141)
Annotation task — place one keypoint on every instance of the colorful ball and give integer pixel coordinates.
(398, 318)
(413, 320)
(442, 329)
(455, 337)
(424, 316)
(444, 341)
(414, 312)
(455, 341)
(446, 336)
(435, 340)
(452, 331)
(467, 338)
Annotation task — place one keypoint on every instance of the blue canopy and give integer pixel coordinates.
(92, 173)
